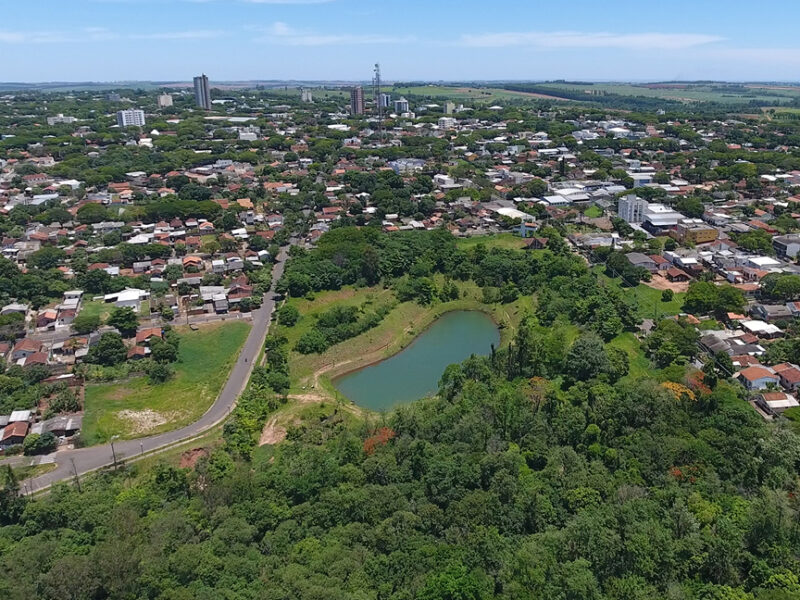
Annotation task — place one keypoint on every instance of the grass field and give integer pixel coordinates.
(650, 304)
(500, 240)
(96, 308)
(639, 364)
(593, 212)
(206, 357)
(33, 470)
(395, 332)
(719, 92)
(465, 94)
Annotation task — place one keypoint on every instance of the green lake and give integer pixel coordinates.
(414, 372)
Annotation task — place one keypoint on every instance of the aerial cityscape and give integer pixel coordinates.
(328, 300)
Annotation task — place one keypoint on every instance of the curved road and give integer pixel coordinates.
(95, 457)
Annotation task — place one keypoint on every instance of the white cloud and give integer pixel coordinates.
(576, 39)
(281, 33)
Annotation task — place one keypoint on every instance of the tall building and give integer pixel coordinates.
(401, 105)
(357, 100)
(386, 100)
(202, 93)
(164, 100)
(449, 107)
(305, 96)
(133, 117)
(631, 209)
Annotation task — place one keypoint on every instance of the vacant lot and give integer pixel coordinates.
(501, 240)
(134, 407)
(650, 304)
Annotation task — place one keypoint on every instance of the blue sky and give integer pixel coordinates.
(112, 40)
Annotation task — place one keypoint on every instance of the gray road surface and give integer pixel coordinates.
(95, 457)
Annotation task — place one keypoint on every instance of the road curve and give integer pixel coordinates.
(84, 460)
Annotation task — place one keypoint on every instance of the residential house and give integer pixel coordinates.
(757, 377)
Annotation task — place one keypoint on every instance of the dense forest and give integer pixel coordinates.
(544, 470)
(503, 487)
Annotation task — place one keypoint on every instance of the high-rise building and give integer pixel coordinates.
(133, 117)
(357, 100)
(305, 96)
(401, 105)
(202, 93)
(631, 209)
(386, 100)
(449, 107)
(164, 100)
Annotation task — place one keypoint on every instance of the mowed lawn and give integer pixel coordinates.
(96, 308)
(206, 357)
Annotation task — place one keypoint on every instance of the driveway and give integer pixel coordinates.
(84, 460)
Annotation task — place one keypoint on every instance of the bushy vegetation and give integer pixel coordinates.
(508, 485)
(338, 324)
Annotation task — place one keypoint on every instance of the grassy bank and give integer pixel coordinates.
(134, 408)
(405, 322)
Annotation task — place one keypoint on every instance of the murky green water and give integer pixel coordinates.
(415, 371)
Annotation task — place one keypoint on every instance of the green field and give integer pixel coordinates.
(96, 308)
(593, 212)
(206, 357)
(719, 92)
(508, 241)
(639, 364)
(650, 304)
(463, 93)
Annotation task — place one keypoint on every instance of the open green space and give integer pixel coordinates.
(712, 92)
(593, 212)
(96, 308)
(508, 241)
(651, 306)
(29, 471)
(463, 93)
(134, 407)
(639, 365)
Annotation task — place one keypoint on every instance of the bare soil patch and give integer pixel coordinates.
(272, 433)
(190, 457)
(659, 282)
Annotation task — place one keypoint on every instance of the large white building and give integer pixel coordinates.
(59, 119)
(401, 105)
(164, 100)
(631, 209)
(133, 117)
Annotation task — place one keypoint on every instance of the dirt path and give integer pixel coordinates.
(272, 433)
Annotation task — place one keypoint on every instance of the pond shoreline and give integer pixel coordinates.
(372, 361)
(412, 372)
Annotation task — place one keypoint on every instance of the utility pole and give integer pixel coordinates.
(113, 452)
(77, 479)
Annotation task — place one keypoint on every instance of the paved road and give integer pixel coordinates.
(95, 457)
